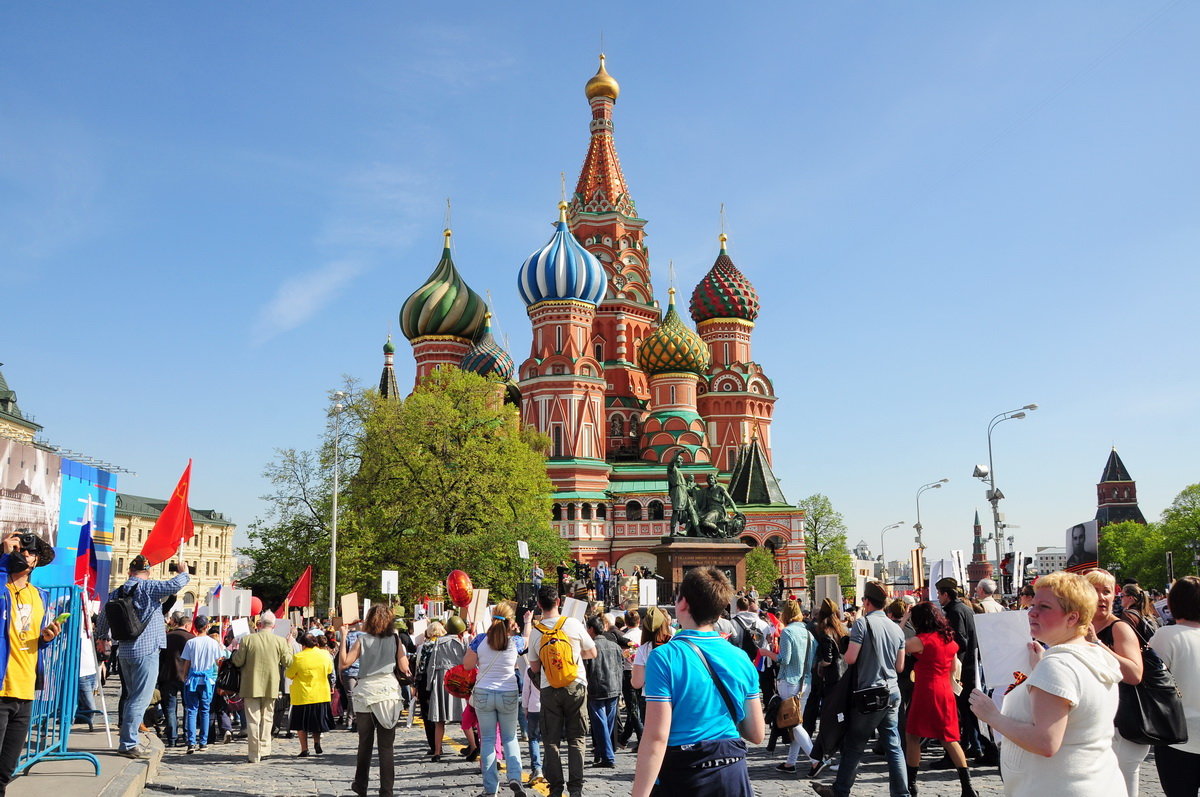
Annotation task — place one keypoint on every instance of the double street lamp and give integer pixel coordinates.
(988, 474)
(917, 526)
(336, 411)
(882, 555)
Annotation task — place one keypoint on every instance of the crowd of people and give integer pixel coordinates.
(687, 687)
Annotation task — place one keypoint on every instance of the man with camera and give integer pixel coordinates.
(139, 656)
(25, 628)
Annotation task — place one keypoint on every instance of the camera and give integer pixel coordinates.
(29, 541)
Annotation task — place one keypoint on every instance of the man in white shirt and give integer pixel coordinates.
(747, 617)
(198, 670)
(985, 593)
(564, 709)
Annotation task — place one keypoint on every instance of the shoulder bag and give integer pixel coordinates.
(1151, 712)
(873, 698)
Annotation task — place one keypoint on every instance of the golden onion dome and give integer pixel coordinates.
(672, 347)
(602, 84)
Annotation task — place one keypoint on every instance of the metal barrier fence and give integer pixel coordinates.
(54, 706)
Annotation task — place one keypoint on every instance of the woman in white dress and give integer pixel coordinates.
(1058, 723)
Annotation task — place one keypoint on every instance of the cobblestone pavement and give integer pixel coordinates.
(222, 770)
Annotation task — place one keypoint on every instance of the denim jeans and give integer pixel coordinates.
(197, 699)
(86, 710)
(138, 675)
(494, 707)
(169, 696)
(859, 733)
(603, 714)
(533, 732)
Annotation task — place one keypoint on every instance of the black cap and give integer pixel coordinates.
(139, 563)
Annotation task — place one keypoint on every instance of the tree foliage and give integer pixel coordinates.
(825, 539)
(447, 479)
(761, 570)
(444, 479)
(1140, 551)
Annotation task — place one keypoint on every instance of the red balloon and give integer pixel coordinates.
(255, 605)
(458, 585)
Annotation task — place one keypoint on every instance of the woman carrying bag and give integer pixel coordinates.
(376, 696)
(797, 651)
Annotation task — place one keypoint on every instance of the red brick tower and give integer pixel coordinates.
(739, 399)
(602, 215)
(979, 567)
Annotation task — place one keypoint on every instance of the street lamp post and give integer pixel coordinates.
(336, 411)
(917, 526)
(989, 475)
(882, 555)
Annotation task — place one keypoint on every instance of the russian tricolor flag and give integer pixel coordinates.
(87, 566)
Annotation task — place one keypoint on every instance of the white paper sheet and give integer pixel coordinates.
(648, 591)
(390, 581)
(283, 627)
(1003, 640)
(573, 607)
(240, 626)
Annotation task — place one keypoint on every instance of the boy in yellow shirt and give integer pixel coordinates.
(23, 631)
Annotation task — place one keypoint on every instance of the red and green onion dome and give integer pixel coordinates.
(444, 305)
(673, 347)
(724, 292)
(486, 357)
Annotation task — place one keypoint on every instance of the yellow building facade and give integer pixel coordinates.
(209, 552)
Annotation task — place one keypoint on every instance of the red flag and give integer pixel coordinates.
(174, 525)
(300, 593)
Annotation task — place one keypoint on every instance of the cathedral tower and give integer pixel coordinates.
(739, 400)
(603, 217)
(980, 567)
(387, 380)
(442, 317)
(562, 382)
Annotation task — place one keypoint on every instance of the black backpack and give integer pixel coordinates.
(752, 638)
(124, 622)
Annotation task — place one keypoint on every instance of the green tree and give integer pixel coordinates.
(1180, 526)
(1138, 550)
(761, 570)
(825, 539)
(445, 479)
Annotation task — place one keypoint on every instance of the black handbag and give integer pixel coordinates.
(873, 698)
(229, 679)
(1151, 712)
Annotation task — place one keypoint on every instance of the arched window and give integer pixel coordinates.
(600, 352)
(633, 511)
(586, 512)
(556, 512)
(558, 441)
(601, 511)
(655, 510)
(570, 511)
(635, 427)
(616, 426)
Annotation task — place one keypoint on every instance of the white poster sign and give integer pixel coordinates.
(648, 591)
(418, 631)
(522, 549)
(573, 607)
(827, 587)
(241, 627)
(1003, 646)
(960, 568)
(391, 582)
(283, 627)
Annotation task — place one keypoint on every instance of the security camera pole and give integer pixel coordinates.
(994, 495)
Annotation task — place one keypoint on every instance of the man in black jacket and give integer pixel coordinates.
(170, 686)
(962, 620)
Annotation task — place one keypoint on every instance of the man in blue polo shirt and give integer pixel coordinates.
(690, 743)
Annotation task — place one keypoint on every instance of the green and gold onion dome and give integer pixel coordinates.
(724, 292)
(444, 305)
(602, 84)
(673, 347)
(486, 357)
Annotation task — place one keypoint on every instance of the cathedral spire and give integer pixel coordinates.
(601, 187)
(387, 380)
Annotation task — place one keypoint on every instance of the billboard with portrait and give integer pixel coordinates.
(1083, 547)
(30, 494)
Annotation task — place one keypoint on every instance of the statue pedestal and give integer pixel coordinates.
(677, 555)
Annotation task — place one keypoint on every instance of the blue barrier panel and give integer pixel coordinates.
(54, 706)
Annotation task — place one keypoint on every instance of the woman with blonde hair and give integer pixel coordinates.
(1119, 636)
(497, 696)
(376, 696)
(1058, 722)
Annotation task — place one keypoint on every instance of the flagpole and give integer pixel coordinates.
(337, 417)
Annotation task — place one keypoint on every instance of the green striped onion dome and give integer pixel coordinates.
(673, 346)
(444, 305)
(724, 292)
(487, 357)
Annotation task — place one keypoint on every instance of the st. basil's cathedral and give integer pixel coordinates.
(616, 384)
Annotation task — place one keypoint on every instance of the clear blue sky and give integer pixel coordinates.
(209, 214)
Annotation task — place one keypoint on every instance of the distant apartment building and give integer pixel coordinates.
(1050, 559)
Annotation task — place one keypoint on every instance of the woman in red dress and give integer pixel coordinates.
(933, 713)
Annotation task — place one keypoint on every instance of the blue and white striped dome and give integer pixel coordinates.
(562, 269)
